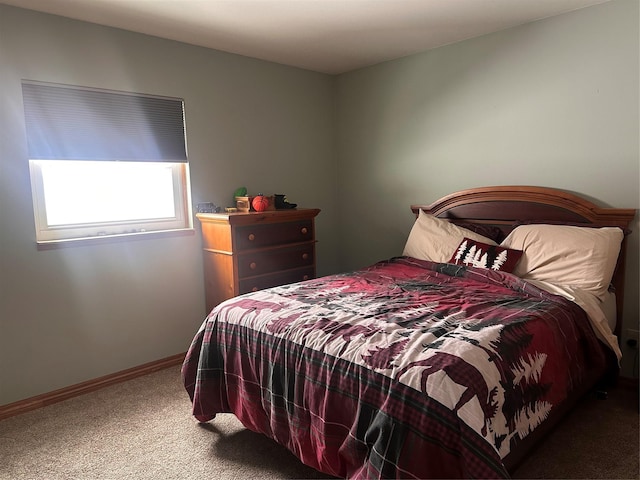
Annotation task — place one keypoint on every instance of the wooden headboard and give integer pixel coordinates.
(506, 206)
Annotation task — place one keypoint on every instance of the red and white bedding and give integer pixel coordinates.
(405, 369)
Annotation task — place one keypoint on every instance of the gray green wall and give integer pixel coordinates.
(553, 103)
(73, 314)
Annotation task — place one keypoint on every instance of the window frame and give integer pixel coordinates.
(48, 234)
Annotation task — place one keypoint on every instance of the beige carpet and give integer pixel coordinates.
(142, 429)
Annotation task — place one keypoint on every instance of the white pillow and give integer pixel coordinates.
(579, 257)
(432, 238)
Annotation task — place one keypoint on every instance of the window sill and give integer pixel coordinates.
(125, 237)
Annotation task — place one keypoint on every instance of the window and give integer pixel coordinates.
(105, 163)
(80, 199)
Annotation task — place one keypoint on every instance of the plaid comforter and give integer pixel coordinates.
(405, 369)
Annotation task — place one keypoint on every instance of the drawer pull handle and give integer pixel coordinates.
(253, 265)
(305, 256)
(306, 277)
(251, 237)
(304, 230)
(254, 289)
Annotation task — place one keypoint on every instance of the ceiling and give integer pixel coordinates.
(329, 36)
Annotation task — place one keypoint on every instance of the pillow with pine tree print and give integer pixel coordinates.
(482, 255)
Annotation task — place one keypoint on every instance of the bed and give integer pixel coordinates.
(449, 361)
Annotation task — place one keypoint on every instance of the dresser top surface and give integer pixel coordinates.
(250, 218)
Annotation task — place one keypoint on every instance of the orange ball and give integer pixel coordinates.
(260, 203)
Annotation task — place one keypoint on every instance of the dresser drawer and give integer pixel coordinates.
(267, 261)
(257, 236)
(273, 280)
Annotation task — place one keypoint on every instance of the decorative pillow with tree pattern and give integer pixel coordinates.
(482, 255)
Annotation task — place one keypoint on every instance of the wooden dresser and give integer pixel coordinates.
(245, 252)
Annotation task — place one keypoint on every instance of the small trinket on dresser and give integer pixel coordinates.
(207, 207)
